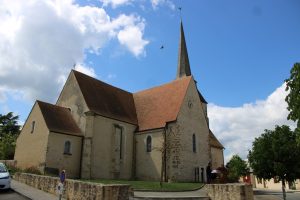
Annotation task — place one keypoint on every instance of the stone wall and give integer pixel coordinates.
(182, 160)
(148, 164)
(217, 158)
(76, 189)
(229, 191)
(57, 160)
(31, 145)
(11, 163)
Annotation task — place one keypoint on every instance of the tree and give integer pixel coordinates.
(9, 124)
(236, 168)
(9, 131)
(275, 154)
(293, 98)
(7, 147)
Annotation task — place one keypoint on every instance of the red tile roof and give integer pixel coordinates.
(107, 100)
(159, 105)
(148, 109)
(59, 119)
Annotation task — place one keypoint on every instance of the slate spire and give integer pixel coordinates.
(183, 68)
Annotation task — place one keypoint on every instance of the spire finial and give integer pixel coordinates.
(183, 68)
(180, 8)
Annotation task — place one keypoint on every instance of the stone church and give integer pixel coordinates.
(96, 130)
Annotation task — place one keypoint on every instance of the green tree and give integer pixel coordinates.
(293, 98)
(9, 131)
(9, 124)
(7, 147)
(236, 168)
(276, 154)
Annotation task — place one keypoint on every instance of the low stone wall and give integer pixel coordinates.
(9, 162)
(76, 189)
(229, 191)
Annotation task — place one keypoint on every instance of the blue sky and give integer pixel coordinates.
(240, 54)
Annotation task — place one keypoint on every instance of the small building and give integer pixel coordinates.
(96, 130)
(273, 183)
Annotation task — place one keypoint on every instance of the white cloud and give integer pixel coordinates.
(41, 40)
(155, 3)
(111, 76)
(168, 3)
(2, 95)
(85, 69)
(131, 37)
(237, 127)
(116, 3)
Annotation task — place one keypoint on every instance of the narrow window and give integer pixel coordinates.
(149, 143)
(32, 126)
(119, 140)
(67, 148)
(121, 143)
(194, 143)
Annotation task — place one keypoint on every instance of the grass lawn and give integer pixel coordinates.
(151, 185)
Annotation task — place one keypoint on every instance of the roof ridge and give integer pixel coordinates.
(43, 102)
(97, 80)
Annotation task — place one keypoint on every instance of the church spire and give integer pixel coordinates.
(183, 68)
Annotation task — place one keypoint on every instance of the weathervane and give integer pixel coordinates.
(180, 8)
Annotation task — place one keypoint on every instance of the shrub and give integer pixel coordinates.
(32, 170)
(13, 169)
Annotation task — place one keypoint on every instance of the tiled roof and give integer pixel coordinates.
(213, 141)
(107, 100)
(158, 105)
(59, 119)
(149, 109)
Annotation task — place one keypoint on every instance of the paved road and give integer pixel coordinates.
(11, 195)
(263, 194)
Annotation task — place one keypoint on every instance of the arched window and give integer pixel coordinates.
(149, 143)
(194, 143)
(67, 148)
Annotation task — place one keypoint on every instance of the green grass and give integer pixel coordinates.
(151, 185)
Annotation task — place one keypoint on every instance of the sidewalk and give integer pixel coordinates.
(31, 192)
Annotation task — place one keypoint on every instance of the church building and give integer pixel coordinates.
(98, 131)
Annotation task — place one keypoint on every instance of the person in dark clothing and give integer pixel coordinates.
(208, 172)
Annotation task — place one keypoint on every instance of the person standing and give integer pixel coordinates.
(62, 176)
(60, 186)
(208, 173)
